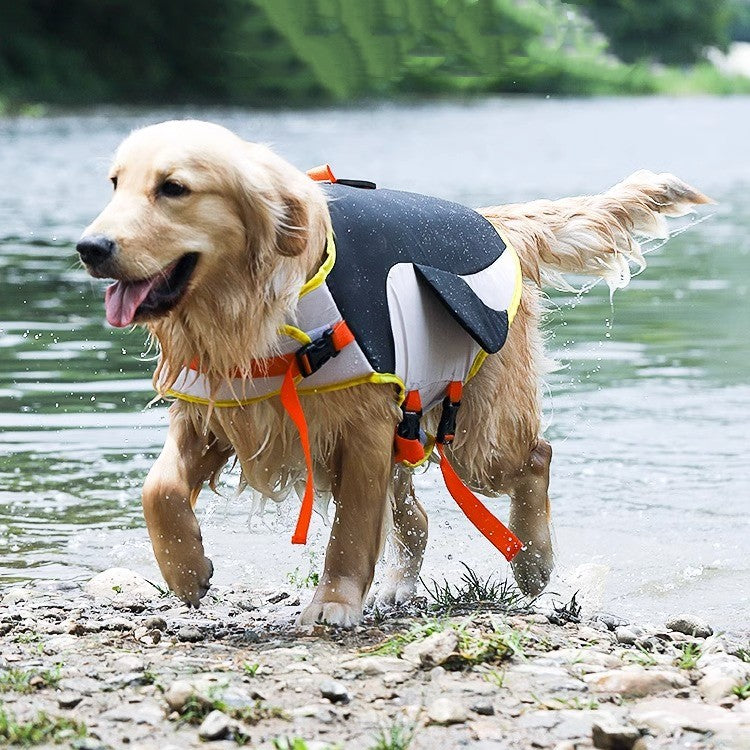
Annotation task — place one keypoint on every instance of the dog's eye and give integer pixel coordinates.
(113, 180)
(172, 189)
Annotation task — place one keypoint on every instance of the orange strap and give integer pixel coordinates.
(291, 403)
(499, 535)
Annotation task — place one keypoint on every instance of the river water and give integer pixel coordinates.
(648, 413)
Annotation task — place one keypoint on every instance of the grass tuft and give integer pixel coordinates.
(14, 680)
(472, 589)
(197, 707)
(474, 645)
(689, 656)
(742, 691)
(398, 736)
(42, 729)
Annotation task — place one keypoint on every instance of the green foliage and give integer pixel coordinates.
(302, 51)
(42, 729)
(671, 31)
(742, 691)
(688, 659)
(397, 736)
(473, 590)
(197, 707)
(296, 743)
(475, 646)
(24, 681)
(250, 669)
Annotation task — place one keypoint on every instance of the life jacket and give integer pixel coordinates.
(413, 291)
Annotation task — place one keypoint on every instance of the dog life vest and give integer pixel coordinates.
(414, 291)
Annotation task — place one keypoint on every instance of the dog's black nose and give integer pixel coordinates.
(95, 249)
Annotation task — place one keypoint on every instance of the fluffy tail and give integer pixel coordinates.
(594, 235)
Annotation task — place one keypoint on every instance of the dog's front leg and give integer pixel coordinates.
(362, 474)
(169, 494)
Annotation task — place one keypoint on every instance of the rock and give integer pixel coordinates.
(334, 691)
(446, 711)
(121, 584)
(720, 674)
(82, 685)
(483, 708)
(189, 634)
(69, 700)
(215, 726)
(625, 635)
(128, 663)
(672, 714)
(155, 623)
(87, 743)
(433, 650)
(147, 712)
(635, 682)
(179, 692)
(611, 736)
(376, 665)
(690, 625)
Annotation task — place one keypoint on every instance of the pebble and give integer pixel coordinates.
(69, 700)
(672, 714)
(120, 584)
(376, 665)
(483, 708)
(626, 635)
(335, 691)
(690, 625)
(611, 736)
(433, 651)
(635, 682)
(446, 711)
(154, 623)
(215, 726)
(189, 634)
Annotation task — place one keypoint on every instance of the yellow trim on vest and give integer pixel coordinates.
(325, 268)
(428, 448)
(374, 377)
(295, 333)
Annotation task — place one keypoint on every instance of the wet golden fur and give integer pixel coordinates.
(259, 226)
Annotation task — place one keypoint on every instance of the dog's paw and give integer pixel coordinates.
(190, 580)
(394, 591)
(532, 568)
(338, 613)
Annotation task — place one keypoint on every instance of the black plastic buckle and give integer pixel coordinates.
(446, 430)
(408, 427)
(311, 357)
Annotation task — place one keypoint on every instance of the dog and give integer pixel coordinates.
(210, 239)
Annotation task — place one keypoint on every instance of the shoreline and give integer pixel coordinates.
(116, 663)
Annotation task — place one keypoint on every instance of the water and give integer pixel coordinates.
(648, 416)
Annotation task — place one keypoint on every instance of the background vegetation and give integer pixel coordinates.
(73, 52)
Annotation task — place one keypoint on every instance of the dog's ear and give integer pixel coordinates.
(292, 236)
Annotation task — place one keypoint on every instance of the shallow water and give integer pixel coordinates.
(648, 415)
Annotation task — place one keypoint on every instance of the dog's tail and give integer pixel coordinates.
(595, 235)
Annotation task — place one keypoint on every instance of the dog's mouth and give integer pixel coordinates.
(127, 302)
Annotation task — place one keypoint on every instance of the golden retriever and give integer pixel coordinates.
(211, 239)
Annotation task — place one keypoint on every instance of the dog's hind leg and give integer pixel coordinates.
(361, 471)
(408, 541)
(498, 449)
(169, 494)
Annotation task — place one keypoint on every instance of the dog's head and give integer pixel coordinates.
(198, 217)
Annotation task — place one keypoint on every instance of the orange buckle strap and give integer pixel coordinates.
(307, 360)
(406, 443)
(499, 535)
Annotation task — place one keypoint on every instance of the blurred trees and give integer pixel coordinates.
(670, 31)
(291, 51)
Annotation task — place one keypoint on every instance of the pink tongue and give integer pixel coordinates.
(122, 299)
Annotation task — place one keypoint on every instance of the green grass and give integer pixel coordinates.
(42, 729)
(196, 709)
(742, 691)
(576, 703)
(397, 736)
(689, 656)
(474, 646)
(296, 743)
(309, 581)
(473, 590)
(250, 669)
(14, 680)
